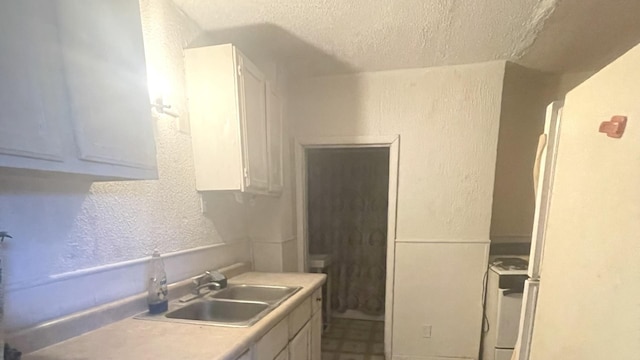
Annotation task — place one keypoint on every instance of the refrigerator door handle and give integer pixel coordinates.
(542, 144)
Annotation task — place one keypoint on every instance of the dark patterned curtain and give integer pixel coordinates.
(348, 192)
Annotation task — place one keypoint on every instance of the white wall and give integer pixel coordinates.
(589, 300)
(77, 245)
(271, 220)
(448, 121)
(525, 96)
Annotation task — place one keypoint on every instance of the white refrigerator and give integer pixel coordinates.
(582, 299)
(543, 179)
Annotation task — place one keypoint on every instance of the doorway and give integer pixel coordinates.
(346, 194)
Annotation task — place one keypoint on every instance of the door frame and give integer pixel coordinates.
(392, 142)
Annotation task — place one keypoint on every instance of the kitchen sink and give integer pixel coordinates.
(261, 293)
(235, 306)
(220, 312)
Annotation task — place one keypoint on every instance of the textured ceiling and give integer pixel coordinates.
(312, 37)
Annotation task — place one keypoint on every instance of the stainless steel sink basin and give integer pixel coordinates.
(238, 313)
(261, 293)
(235, 306)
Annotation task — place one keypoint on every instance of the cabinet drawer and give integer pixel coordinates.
(316, 300)
(299, 317)
(272, 342)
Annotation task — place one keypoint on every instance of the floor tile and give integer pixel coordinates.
(354, 347)
(351, 357)
(329, 356)
(336, 334)
(348, 339)
(377, 348)
(378, 336)
(362, 335)
(330, 344)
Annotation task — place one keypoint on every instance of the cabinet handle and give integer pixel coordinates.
(318, 299)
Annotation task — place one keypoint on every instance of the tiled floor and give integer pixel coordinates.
(349, 339)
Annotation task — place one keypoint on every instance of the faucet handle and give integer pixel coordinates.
(218, 277)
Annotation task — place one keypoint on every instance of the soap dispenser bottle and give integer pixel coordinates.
(157, 296)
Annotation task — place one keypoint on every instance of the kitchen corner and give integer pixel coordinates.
(135, 338)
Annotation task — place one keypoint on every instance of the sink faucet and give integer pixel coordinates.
(211, 285)
(211, 280)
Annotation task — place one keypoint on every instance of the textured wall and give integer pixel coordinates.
(64, 225)
(525, 97)
(271, 220)
(448, 121)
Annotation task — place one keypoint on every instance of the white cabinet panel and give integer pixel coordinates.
(229, 107)
(299, 345)
(284, 355)
(316, 300)
(73, 89)
(272, 342)
(298, 317)
(315, 336)
(253, 114)
(32, 93)
(106, 77)
(274, 140)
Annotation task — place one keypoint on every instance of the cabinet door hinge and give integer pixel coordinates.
(246, 172)
(239, 70)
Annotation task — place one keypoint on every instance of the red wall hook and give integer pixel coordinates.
(615, 127)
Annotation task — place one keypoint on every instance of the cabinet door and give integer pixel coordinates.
(32, 92)
(316, 336)
(254, 125)
(284, 355)
(245, 356)
(105, 69)
(299, 345)
(274, 140)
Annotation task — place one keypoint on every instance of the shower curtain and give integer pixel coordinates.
(347, 218)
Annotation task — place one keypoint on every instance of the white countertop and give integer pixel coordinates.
(143, 339)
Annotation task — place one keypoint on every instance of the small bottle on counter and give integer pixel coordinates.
(157, 296)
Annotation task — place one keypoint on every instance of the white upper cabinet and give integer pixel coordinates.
(73, 89)
(229, 112)
(106, 77)
(32, 92)
(253, 113)
(274, 140)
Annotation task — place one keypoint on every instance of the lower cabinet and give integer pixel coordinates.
(296, 337)
(315, 335)
(299, 345)
(284, 354)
